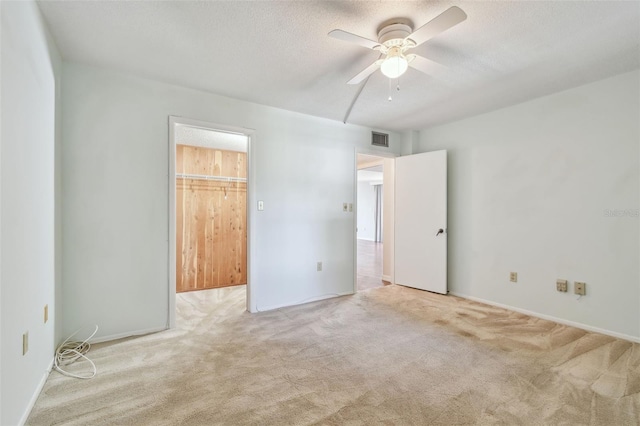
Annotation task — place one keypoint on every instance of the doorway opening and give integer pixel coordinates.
(209, 219)
(370, 222)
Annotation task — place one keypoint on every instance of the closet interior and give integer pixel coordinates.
(211, 218)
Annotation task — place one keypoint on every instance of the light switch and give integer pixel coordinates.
(260, 205)
(350, 207)
(345, 207)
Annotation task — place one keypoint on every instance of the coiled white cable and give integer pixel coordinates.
(69, 352)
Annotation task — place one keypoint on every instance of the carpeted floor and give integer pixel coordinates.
(389, 355)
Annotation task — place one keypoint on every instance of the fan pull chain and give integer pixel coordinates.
(390, 83)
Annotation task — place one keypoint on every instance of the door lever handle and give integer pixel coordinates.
(440, 231)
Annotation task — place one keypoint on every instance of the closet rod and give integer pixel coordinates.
(207, 177)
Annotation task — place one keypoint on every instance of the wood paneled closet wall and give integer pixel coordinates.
(211, 218)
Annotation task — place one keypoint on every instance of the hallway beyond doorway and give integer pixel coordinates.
(369, 265)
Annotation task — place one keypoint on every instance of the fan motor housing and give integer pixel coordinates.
(394, 31)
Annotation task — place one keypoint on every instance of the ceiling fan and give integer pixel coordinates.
(395, 38)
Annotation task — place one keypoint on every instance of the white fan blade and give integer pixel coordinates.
(352, 38)
(426, 66)
(355, 98)
(366, 72)
(447, 19)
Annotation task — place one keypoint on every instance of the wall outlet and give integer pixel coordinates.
(580, 288)
(46, 313)
(561, 285)
(25, 343)
(319, 266)
(513, 277)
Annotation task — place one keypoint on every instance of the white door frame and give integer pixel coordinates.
(250, 134)
(375, 153)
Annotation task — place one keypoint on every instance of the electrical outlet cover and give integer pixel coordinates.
(561, 285)
(513, 277)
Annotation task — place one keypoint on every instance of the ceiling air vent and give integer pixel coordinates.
(380, 139)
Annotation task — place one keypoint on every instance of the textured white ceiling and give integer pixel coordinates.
(365, 161)
(370, 176)
(278, 53)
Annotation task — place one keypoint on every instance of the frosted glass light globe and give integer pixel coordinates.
(394, 65)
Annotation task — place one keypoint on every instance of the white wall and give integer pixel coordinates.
(30, 63)
(115, 212)
(410, 142)
(366, 210)
(388, 236)
(528, 189)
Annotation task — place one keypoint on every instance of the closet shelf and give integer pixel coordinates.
(207, 177)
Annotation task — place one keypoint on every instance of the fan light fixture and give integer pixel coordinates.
(397, 37)
(395, 64)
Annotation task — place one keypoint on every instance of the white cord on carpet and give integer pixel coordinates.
(69, 352)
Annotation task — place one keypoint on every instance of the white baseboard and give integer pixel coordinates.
(36, 394)
(387, 278)
(550, 318)
(302, 302)
(127, 334)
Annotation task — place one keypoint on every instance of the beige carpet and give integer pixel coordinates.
(389, 355)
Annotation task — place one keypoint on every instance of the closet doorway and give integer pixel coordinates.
(209, 232)
(211, 213)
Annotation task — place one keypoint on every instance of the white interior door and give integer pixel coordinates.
(421, 221)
